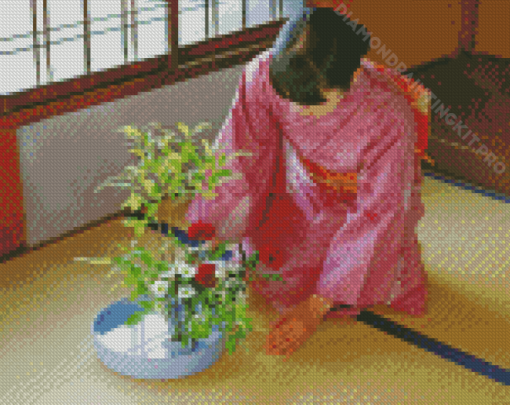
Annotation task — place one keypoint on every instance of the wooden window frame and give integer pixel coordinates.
(195, 59)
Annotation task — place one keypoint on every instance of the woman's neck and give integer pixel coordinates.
(332, 93)
(333, 97)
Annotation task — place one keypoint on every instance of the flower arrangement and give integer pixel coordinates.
(196, 275)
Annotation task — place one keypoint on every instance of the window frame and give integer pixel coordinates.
(194, 59)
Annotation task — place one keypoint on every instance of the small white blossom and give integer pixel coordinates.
(186, 291)
(167, 275)
(187, 271)
(159, 288)
(193, 248)
(181, 268)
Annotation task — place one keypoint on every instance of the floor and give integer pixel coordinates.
(48, 303)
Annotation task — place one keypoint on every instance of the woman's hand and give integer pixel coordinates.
(295, 327)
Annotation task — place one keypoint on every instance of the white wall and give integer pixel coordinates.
(64, 158)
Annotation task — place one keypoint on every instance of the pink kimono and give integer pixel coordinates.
(331, 203)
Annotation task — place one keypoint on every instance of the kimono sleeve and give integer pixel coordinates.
(370, 242)
(249, 127)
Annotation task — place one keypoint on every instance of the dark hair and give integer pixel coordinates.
(314, 51)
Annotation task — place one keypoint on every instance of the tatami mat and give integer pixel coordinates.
(47, 356)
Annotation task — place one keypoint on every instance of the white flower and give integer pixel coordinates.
(181, 268)
(194, 249)
(186, 270)
(159, 288)
(172, 271)
(224, 267)
(186, 291)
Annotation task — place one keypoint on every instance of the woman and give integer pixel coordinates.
(331, 196)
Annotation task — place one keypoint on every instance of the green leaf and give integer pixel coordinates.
(200, 127)
(221, 249)
(145, 138)
(185, 340)
(195, 158)
(185, 157)
(121, 261)
(212, 182)
(164, 178)
(142, 289)
(130, 280)
(135, 271)
(130, 132)
(152, 208)
(137, 152)
(175, 165)
(156, 189)
(147, 259)
(189, 151)
(134, 202)
(224, 173)
(231, 345)
(147, 305)
(134, 295)
(135, 318)
(160, 265)
(222, 160)
(140, 227)
(183, 128)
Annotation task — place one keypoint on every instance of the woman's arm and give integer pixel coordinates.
(250, 127)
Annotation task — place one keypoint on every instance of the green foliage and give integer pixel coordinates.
(220, 251)
(135, 318)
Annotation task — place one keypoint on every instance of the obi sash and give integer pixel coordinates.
(334, 188)
(338, 188)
